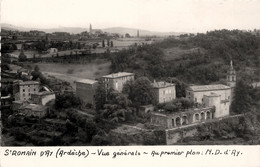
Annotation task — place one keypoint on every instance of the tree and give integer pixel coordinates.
(127, 35)
(67, 101)
(22, 57)
(108, 42)
(100, 96)
(37, 68)
(103, 43)
(140, 92)
(116, 107)
(242, 100)
(36, 73)
(111, 44)
(180, 87)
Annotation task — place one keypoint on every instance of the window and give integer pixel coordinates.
(34, 89)
(202, 99)
(28, 85)
(23, 95)
(164, 92)
(195, 100)
(228, 97)
(116, 85)
(23, 90)
(29, 94)
(164, 100)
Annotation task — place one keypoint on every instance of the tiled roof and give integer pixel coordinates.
(28, 83)
(87, 81)
(212, 95)
(198, 88)
(44, 93)
(117, 75)
(35, 107)
(162, 84)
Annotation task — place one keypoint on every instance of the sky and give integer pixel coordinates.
(154, 15)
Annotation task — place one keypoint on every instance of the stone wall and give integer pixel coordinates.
(176, 135)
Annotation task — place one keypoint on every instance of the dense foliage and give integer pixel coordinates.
(207, 64)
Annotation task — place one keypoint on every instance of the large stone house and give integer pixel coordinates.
(117, 80)
(85, 90)
(211, 95)
(214, 102)
(164, 91)
(22, 90)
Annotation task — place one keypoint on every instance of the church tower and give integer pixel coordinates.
(137, 33)
(90, 29)
(231, 78)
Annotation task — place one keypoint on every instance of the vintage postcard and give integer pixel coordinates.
(169, 82)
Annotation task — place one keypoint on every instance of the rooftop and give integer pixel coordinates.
(86, 81)
(162, 84)
(28, 83)
(212, 95)
(198, 88)
(118, 75)
(44, 93)
(35, 107)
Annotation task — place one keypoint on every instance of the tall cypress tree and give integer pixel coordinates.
(242, 100)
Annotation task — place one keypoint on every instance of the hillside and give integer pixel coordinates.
(201, 59)
(75, 30)
(133, 32)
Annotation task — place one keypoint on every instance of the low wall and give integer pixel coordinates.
(177, 134)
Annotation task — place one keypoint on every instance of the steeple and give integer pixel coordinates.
(90, 28)
(137, 33)
(231, 78)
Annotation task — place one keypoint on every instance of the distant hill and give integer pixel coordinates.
(133, 32)
(75, 30)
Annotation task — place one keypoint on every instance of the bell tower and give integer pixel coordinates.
(231, 78)
(90, 29)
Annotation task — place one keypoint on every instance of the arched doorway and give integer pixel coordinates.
(184, 120)
(208, 115)
(178, 121)
(202, 116)
(173, 123)
(197, 117)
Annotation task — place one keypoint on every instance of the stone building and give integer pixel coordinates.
(42, 98)
(85, 90)
(211, 95)
(117, 80)
(53, 51)
(22, 90)
(213, 101)
(164, 91)
(34, 110)
(187, 117)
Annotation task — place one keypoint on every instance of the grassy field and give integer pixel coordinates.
(177, 52)
(72, 72)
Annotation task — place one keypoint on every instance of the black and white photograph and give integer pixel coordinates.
(130, 73)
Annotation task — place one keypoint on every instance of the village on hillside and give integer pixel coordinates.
(98, 88)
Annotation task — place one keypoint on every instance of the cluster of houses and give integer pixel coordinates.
(215, 100)
(32, 99)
